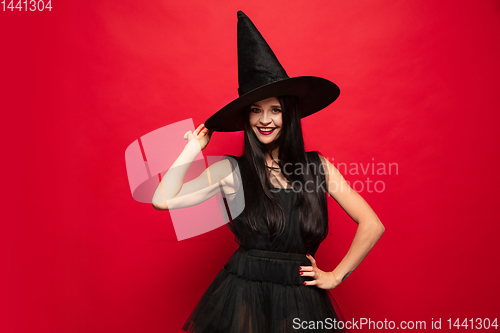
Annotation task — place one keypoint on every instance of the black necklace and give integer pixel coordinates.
(274, 168)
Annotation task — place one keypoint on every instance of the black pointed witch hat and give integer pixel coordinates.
(260, 76)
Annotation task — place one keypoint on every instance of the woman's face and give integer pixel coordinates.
(265, 119)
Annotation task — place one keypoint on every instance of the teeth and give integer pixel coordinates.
(266, 129)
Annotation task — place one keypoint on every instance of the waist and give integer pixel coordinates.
(268, 266)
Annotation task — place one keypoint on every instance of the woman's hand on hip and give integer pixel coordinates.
(322, 279)
(200, 136)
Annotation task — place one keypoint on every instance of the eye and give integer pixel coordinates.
(255, 110)
(276, 110)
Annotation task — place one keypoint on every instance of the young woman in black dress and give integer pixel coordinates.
(272, 282)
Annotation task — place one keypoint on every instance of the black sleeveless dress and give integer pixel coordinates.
(260, 290)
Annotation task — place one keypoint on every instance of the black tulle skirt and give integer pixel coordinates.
(263, 292)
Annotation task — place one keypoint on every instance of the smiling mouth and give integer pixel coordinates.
(266, 130)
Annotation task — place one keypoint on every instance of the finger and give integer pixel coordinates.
(306, 268)
(311, 259)
(186, 136)
(310, 283)
(311, 274)
(198, 129)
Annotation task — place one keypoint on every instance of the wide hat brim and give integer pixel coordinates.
(314, 94)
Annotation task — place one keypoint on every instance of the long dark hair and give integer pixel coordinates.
(295, 166)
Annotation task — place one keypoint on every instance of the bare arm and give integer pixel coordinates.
(369, 230)
(172, 193)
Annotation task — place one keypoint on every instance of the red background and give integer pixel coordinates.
(419, 87)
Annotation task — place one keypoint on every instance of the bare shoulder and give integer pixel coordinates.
(335, 182)
(324, 161)
(324, 166)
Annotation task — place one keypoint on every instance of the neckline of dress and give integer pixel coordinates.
(281, 188)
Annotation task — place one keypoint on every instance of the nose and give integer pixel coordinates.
(266, 118)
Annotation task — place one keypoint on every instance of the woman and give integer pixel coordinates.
(272, 282)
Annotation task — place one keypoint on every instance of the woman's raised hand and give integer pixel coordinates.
(322, 279)
(200, 136)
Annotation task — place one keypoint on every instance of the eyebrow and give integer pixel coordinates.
(273, 106)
